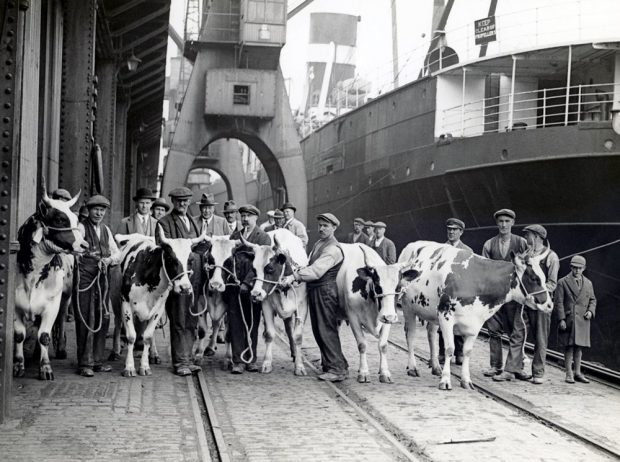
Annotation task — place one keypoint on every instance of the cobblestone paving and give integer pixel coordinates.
(432, 417)
(281, 417)
(107, 417)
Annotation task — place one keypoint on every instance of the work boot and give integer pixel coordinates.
(331, 377)
(194, 368)
(569, 377)
(523, 375)
(581, 378)
(252, 367)
(492, 371)
(504, 377)
(237, 369)
(538, 380)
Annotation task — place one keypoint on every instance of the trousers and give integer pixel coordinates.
(242, 350)
(503, 322)
(182, 327)
(91, 346)
(538, 324)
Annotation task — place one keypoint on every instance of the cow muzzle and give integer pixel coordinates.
(388, 318)
(258, 295)
(218, 286)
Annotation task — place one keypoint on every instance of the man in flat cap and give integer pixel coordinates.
(293, 224)
(382, 245)
(325, 312)
(499, 248)
(369, 230)
(248, 312)
(536, 322)
(179, 224)
(358, 234)
(159, 208)
(454, 228)
(61, 194)
(575, 304)
(91, 304)
(140, 222)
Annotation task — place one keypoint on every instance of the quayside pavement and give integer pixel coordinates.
(104, 418)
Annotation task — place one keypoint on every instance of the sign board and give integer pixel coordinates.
(484, 30)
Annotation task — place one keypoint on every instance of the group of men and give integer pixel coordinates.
(574, 295)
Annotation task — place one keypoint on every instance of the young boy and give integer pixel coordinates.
(575, 304)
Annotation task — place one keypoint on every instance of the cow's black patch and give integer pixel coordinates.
(427, 281)
(367, 283)
(411, 275)
(440, 264)
(54, 264)
(143, 269)
(25, 254)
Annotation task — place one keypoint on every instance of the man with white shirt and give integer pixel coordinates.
(384, 246)
(93, 297)
(293, 224)
(178, 224)
(210, 223)
(141, 222)
(230, 215)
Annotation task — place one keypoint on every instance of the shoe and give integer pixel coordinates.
(331, 377)
(492, 371)
(538, 380)
(252, 367)
(459, 360)
(237, 369)
(183, 371)
(102, 368)
(569, 378)
(86, 372)
(581, 378)
(504, 377)
(194, 368)
(523, 376)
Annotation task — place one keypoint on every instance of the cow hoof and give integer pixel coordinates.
(18, 370)
(114, 356)
(467, 385)
(413, 372)
(267, 368)
(385, 378)
(445, 386)
(154, 360)
(129, 373)
(144, 371)
(436, 371)
(300, 371)
(209, 352)
(46, 373)
(363, 378)
(62, 354)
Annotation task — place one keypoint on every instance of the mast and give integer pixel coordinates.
(395, 67)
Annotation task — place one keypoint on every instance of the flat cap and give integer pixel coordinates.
(328, 217)
(288, 205)
(161, 202)
(61, 194)
(270, 213)
(455, 223)
(360, 221)
(536, 229)
(180, 193)
(505, 212)
(368, 223)
(578, 260)
(380, 224)
(277, 213)
(249, 208)
(98, 200)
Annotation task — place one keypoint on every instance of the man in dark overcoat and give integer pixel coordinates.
(382, 245)
(243, 313)
(358, 234)
(179, 224)
(575, 304)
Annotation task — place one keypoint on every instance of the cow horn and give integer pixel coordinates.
(365, 257)
(199, 239)
(73, 201)
(46, 198)
(162, 236)
(276, 242)
(243, 241)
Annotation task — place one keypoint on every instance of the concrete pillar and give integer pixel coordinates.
(231, 166)
(76, 115)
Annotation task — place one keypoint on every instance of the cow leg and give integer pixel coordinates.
(269, 334)
(59, 335)
(446, 324)
(431, 334)
(468, 345)
(130, 332)
(410, 327)
(363, 372)
(19, 335)
(202, 330)
(115, 278)
(296, 326)
(384, 372)
(47, 321)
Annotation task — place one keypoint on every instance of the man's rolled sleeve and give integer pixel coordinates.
(316, 270)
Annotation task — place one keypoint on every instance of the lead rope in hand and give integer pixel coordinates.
(102, 269)
(248, 330)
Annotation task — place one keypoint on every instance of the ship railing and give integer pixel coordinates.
(547, 107)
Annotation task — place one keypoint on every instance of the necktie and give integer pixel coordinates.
(578, 281)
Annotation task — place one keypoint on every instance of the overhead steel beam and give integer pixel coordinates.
(148, 75)
(138, 93)
(126, 7)
(176, 38)
(140, 22)
(134, 101)
(144, 38)
(148, 51)
(127, 76)
(298, 8)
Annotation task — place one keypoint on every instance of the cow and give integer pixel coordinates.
(271, 263)
(459, 291)
(150, 272)
(211, 301)
(367, 289)
(48, 239)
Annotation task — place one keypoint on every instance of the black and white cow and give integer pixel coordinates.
(459, 291)
(44, 272)
(150, 272)
(271, 263)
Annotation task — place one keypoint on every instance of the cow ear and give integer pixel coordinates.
(42, 209)
(281, 259)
